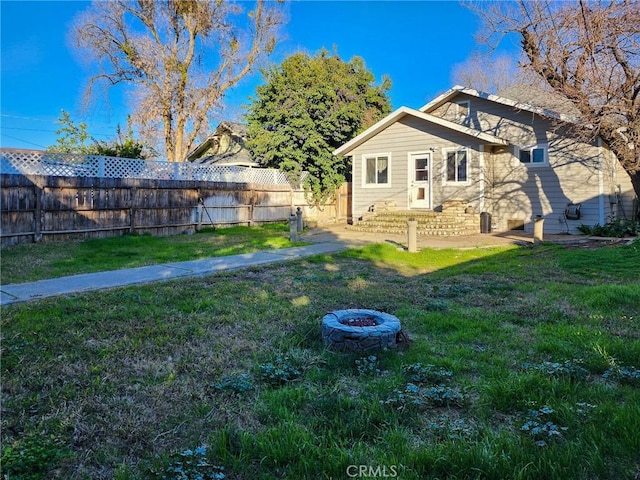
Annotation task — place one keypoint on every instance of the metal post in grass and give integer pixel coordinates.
(412, 235)
(538, 230)
(293, 227)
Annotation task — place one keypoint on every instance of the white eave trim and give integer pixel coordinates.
(403, 111)
(449, 94)
(203, 147)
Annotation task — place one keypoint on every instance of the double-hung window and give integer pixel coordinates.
(457, 165)
(376, 169)
(533, 155)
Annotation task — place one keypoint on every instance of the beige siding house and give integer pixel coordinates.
(224, 147)
(515, 160)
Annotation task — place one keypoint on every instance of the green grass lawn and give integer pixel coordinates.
(30, 262)
(523, 363)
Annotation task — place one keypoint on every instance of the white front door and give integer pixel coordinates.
(420, 178)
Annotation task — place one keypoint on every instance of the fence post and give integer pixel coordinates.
(252, 204)
(133, 193)
(198, 222)
(101, 161)
(37, 221)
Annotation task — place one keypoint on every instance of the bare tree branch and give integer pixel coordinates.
(180, 57)
(589, 53)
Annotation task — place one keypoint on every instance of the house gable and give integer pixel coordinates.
(399, 144)
(519, 128)
(456, 91)
(225, 146)
(402, 112)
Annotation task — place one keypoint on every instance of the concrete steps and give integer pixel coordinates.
(447, 223)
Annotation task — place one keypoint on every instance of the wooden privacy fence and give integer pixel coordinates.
(37, 208)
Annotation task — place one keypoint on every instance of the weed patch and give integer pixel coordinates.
(191, 465)
(33, 456)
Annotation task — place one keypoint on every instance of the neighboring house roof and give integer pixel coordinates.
(241, 159)
(225, 146)
(532, 95)
(404, 111)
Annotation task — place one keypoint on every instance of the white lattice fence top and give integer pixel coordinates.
(35, 162)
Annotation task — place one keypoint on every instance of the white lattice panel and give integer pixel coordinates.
(44, 163)
(32, 162)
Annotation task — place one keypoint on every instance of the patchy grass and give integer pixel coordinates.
(29, 262)
(523, 364)
(426, 261)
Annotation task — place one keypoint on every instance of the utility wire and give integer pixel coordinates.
(52, 131)
(39, 120)
(21, 140)
(25, 118)
(29, 129)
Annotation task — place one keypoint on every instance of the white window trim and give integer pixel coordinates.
(530, 148)
(364, 170)
(444, 166)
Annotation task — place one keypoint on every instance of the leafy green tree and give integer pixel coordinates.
(76, 139)
(307, 108)
(124, 146)
(72, 138)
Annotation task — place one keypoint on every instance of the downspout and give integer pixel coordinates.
(481, 176)
(600, 183)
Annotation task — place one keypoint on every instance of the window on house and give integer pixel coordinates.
(457, 166)
(376, 169)
(462, 112)
(533, 155)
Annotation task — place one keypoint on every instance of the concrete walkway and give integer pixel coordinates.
(327, 239)
(24, 292)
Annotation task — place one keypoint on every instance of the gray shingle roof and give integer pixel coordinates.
(538, 97)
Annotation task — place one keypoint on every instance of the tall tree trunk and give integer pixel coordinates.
(635, 181)
(181, 57)
(168, 134)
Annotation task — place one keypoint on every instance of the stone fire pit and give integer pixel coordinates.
(359, 330)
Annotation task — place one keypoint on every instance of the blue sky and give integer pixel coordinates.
(415, 43)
